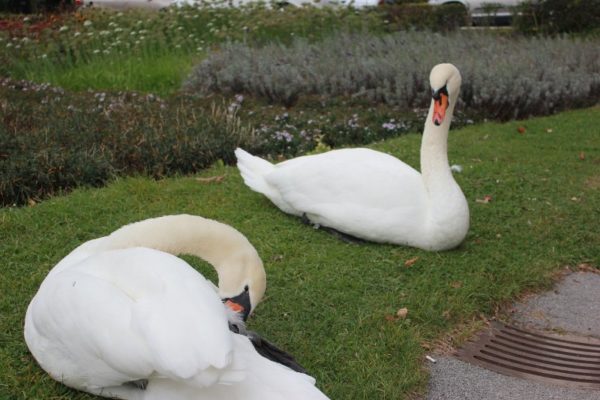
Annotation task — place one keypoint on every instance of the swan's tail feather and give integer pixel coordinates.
(253, 170)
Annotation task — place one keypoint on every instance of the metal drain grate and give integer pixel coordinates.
(571, 362)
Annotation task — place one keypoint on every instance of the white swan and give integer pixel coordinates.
(122, 317)
(372, 195)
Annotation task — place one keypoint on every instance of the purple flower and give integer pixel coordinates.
(283, 136)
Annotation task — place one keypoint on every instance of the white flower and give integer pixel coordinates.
(9, 45)
(87, 22)
(63, 28)
(77, 34)
(199, 49)
(96, 51)
(44, 55)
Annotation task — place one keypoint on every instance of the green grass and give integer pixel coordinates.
(327, 301)
(160, 73)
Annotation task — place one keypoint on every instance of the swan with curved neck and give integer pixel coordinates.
(121, 316)
(372, 195)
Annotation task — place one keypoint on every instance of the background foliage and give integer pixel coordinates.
(296, 79)
(558, 16)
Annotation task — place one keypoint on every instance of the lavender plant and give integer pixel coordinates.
(504, 77)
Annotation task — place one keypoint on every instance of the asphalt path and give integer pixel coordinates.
(572, 307)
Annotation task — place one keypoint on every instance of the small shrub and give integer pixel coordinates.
(503, 77)
(422, 16)
(53, 141)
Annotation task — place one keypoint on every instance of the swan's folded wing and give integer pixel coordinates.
(354, 178)
(139, 312)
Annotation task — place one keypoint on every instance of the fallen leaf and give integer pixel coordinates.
(278, 257)
(390, 318)
(446, 314)
(549, 130)
(581, 155)
(521, 129)
(31, 202)
(456, 284)
(410, 262)
(402, 313)
(211, 179)
(485, 200)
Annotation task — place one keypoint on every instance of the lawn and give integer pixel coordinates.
(533, 190)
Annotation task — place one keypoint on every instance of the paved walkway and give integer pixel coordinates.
(572, 307)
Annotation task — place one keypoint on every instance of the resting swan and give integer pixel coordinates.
(372, 195)
(122, 317)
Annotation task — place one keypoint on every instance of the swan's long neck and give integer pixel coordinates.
(210, 240)
(434, 154)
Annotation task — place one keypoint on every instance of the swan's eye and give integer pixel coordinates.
(246, 288)
(437, 94)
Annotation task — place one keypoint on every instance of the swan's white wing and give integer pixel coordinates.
(351, 188)
(128, 314)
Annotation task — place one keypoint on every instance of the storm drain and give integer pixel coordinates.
(565, 361)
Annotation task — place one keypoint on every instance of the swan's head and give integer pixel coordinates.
(445, 85)
(242, 282)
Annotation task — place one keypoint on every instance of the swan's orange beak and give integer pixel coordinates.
(440, 104)
(240, 304)
(235, 306)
